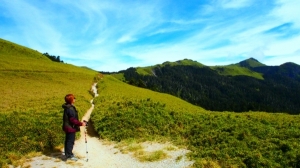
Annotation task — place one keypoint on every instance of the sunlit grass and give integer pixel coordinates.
(32, 93)
(113, 90)
(234, 70)
(145, 156)
(145, 70)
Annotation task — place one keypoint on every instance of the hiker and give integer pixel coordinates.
(71, 125)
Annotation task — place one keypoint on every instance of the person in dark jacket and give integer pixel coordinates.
(71, 125)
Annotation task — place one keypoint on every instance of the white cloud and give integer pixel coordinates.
(125, 38)
(258, 53)
(283, 47)
(164, 30)
(187, 22)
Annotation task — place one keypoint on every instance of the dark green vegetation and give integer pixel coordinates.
(226, 139)
(32, 92)
(246, 86)
(53, 57)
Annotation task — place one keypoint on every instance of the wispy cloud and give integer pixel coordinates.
(235, 3)
(126, 38)
(287, 11)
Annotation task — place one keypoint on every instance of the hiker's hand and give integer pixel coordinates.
(83, 123)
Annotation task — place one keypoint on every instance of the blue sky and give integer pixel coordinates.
(114, 35)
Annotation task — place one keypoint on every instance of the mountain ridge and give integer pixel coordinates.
(246, 86)
(248, 67)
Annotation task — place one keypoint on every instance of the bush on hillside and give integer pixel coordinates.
(53, 57)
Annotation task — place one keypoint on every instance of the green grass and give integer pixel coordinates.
(144, 156)
(119, 76)
(32, 92)
(114, 90)
(219, 139)
(233, 70)
(145, 70)
(130, 146)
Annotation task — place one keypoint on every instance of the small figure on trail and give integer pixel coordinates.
(71, 125)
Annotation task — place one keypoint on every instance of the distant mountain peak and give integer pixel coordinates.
(185, 61)
(252, 59)
(250, 63)
(289, 64)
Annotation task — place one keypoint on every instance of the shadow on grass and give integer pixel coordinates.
(91, 131)
(58, 153)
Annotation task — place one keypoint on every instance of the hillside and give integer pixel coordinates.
(245, 86)
(28, 75)
(32, 92)
(124, 113)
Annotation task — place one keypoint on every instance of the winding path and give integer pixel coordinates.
(104, 155)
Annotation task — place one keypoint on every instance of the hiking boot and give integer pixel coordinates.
(73, 158)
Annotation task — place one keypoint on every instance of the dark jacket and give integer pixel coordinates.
(70, 119)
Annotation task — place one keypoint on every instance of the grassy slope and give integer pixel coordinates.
(111, 89)
(253, 139)
(32, 92)
(233, 70)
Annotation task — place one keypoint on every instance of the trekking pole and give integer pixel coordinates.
(85, 131)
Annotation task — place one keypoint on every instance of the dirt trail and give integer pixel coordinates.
(104, 155)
